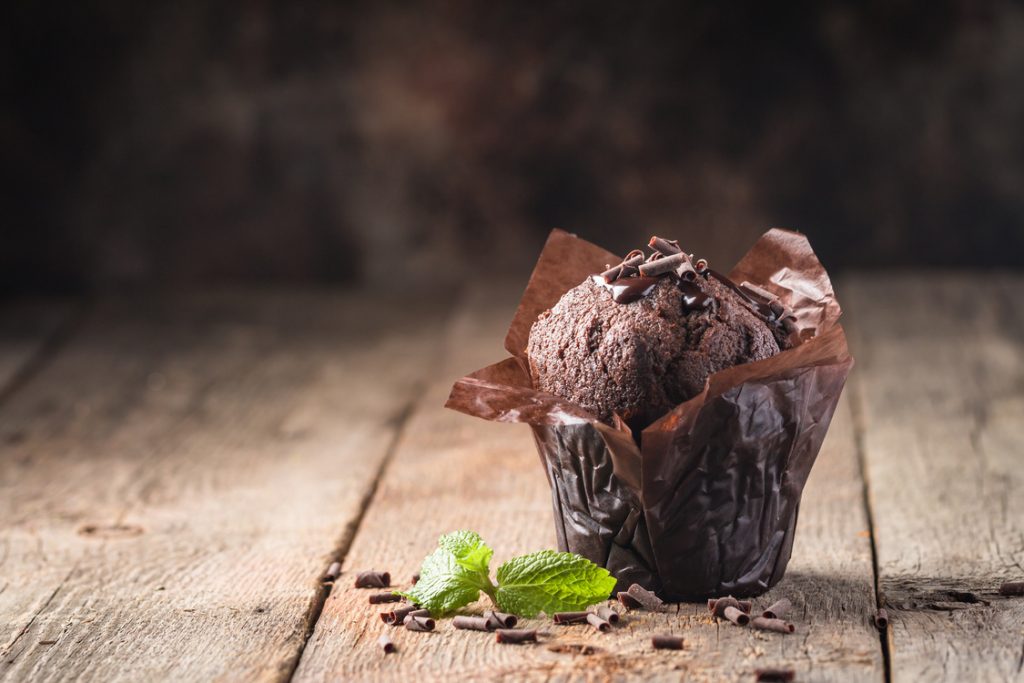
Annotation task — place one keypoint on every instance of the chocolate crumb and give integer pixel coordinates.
(415, 578)
(333, 572)
(775, 675)
(882, 619)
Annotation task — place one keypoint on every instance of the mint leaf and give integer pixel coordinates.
(453, 575)
(551, 582)
(469, 550)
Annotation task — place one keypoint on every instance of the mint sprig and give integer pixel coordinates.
(457, 572)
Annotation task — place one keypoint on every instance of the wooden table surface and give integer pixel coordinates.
(176, 474)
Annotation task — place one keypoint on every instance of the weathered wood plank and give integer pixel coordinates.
(451, 471)
(187, 470)
(26, 328)
(940, 390)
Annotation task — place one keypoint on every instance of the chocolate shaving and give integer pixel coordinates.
(778, 609)
(515, 636)
(627, 600)
(648, 600)
(701, 265)
(473, 623)
(777, 625)
(663, 642)
(414, 623)
(396, 617)
(627, 267)
(664, 265)
(570, 617)
(415, 578)
(598, 623)
(664, 246)
(718, 608)
(574, 648)
(373, 579)
(385, 643)
(380, 598)
(737, 617)
(420, 612)
(612, 274)
(774, 675)
(608, 614)
(501, 619)
(1012, 588)
(333, 572)
(882, 619)
(744, 605)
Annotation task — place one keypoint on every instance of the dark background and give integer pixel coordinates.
(190, 144)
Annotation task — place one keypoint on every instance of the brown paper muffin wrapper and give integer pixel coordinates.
(707, 504)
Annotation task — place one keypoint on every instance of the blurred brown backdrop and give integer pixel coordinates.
(191, 143)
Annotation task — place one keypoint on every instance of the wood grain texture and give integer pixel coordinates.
(27, 328)
(187, 470)
(451, 471)
(940, 389)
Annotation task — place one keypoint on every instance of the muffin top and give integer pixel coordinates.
(654, 348)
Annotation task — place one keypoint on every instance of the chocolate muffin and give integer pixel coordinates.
(639, 358)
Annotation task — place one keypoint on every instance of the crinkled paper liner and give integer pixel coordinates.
(707, 505)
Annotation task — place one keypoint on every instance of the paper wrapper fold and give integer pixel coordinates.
(707, 504)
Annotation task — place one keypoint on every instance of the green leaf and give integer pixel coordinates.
(453, 575)
(551, 582)
(469, 550)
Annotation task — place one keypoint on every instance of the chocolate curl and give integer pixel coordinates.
(598, 623)
(500, 619)
(1012, 588)
(664, 265)
(745, 606)
(397, 617)
(881, 619)
(701, 265)
(570, 617)
(648, 600)
(514, 637)
(775, 675)
(385, 644)
(472, 623)
(608, 614)
(777, 625)
(419, 623)
(380, 598)
(734, 615)
(664, 246)
(757, 293)
(778, 609)
(373, 579)
(333, 572)
(420, 612)
(627, 267)
(663, 642)
(627, 600)
(718, 608)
